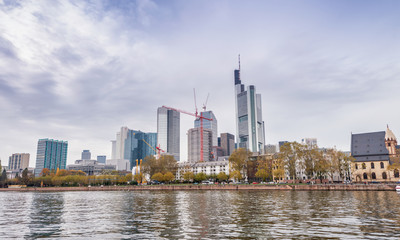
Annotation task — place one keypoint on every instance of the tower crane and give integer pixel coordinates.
(158, 151)
(196, 115)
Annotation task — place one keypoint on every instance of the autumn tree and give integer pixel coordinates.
(166, 163)
(238, 161)
(290, 154)
(157, 177)
(188, 176)
(25, 177)
(45, 172)
(168, 177)
(200, 177)
(222, 176)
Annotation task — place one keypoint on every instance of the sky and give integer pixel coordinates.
(80, 70)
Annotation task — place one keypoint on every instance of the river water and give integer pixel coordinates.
(200, 215)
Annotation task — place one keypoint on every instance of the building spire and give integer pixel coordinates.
(239, 62)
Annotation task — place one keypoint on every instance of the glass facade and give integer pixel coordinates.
(168, 131)
(136, 148)
(51, 154)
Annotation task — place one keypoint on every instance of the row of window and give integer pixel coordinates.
(384, 175)
(364, 166)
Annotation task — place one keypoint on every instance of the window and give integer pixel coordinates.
(382, 165)
(356, 166)
(364, 166)
(384, 176)
(365, 176)
(372, 165)
(373, 176)
(396, 173)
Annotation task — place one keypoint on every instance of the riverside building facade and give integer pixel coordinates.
(18, 161)
(375, 157)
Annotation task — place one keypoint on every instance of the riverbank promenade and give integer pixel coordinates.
(232, 187)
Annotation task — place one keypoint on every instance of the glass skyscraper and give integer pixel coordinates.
(51, 154)
(168, 131)
(136, 148)
(250, 132)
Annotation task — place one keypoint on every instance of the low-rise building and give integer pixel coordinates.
(90, 167)
(209, 168)
(375, 155)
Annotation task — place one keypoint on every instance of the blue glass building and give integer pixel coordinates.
(51, 154)
(136, 148)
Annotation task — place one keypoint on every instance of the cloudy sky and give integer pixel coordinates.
(79, 70)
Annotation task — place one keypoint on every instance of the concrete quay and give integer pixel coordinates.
(173, 187)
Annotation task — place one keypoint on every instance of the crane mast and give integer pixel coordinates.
(196, 115)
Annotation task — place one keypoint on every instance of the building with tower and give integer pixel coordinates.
(375, 157)
(250, 131)
(51, 154)
(168, 131)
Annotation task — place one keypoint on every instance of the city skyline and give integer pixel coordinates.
(78, 71)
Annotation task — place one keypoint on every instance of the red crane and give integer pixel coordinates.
(196, 115)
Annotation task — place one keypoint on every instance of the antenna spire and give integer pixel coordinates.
(239, 62)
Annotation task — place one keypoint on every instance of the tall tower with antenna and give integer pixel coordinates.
(250, 130)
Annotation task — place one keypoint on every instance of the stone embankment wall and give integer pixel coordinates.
(322, 187)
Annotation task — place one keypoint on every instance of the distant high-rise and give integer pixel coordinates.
(250, 132)
(211, 125)
(168, 131)
(101, 159)
(310, 142)
(227, 143)
(18, 161)
(194, 145)
(130, 146)
(51, 154)
(86, 155)
(270, 148)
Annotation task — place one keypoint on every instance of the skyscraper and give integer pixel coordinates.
(86, 155)
(51, 154)
(227, 143)
(194, 145)
(250, 133)
(211, 125)
(168, 131)
(18, 161)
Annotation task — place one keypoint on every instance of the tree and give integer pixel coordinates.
(166, 163)
(62, 172)
(200, 177)
(262, 173)
(290, 154)
(25, 178)
(158, 177)
(235, 175)
(0, 166)
(3, 177)
(321, 166)
(45, 172)
(278, 168)
(238, 160)
(168, 177)
(222, 176)
(188, 176)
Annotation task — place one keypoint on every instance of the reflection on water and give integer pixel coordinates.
(200, 214)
